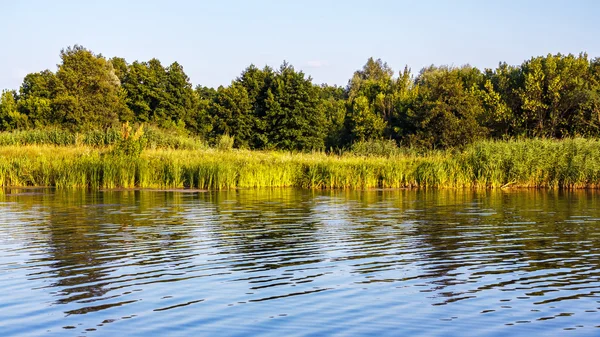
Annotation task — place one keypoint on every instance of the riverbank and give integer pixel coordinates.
(572, 163)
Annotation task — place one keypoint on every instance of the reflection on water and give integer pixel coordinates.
(296, 262)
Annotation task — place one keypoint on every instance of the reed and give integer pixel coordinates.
(154, 138)
(571, 163)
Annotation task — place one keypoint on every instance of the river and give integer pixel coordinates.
(299, 263)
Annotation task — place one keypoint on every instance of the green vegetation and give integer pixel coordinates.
(105, 123)
(441, 107)
(571, 163)
(153, 138)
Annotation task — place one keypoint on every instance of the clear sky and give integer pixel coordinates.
(329, 40)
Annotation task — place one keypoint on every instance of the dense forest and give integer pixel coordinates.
(555, 96)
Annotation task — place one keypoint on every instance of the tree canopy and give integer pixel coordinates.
(552, 96)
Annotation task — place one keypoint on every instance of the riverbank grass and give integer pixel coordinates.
(572, 163)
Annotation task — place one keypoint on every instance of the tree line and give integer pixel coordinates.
(553, 96)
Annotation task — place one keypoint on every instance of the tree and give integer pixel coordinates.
(557, 96)
(532, 97)
(87, 92)
(203, 116)
(10, 118)
(502, 102)
(371, 99)
(35, 98)
(403, 95)
(552, 96)
(497, 117)
(447, 111)
(121, 67)
(332, 103)
(363, 122)
(257, 83)
(180, 101)
(232, 113)
(144, 85)
(163, 96)
(293, 118)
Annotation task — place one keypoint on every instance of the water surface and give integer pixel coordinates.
(299, 263)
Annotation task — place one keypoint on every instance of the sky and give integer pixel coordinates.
(328, 40)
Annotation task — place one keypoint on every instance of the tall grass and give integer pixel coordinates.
(572, 163)
(153, 138)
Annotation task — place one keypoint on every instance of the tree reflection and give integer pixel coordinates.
(91, 235)
(530, 232)
(265, 229)
(451, 244)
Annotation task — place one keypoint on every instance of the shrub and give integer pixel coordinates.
(131, 143)
(225, 143)
(378, 148)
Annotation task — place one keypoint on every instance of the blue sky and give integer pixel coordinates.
(329, 40)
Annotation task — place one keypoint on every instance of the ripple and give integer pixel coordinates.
(294, 262)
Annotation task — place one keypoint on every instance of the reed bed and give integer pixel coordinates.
(153, 137)
(572, 163)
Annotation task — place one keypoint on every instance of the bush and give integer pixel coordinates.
(376, 148)
(225, 143)
(159, 139)
(131, 144)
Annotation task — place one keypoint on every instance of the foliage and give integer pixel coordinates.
(87, 92)
(35, 99)
(376, 148)
(225, 143)
(10, 118)
(292, 116)
(131, 143)
(153, 138)
(370, 101)
(332, 106)
(447, 110)
(232, 114)
(552, 96)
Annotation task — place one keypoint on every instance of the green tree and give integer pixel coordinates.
(332, 103)
(370, 100)
(232, 113)
(447, 110)
(590, 118)
(144, 85)
(502, 102)
(163, 96)
(10, 117)
(203, 116)
(293, 118)
(403, 95)
(553, 96)
(257, 83)
(121, 67)
(376, 97)
(533, 107)
(363, 122)
(557, 96)
(497, 117)
(35, 98)
(179, 101)
(87, 94)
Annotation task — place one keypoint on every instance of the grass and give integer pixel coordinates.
(154, 138)
(572, 163)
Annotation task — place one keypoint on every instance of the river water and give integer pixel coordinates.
(299, 263)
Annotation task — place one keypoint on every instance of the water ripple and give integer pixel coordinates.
(294, 262)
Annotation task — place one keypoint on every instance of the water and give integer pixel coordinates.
(299, 263)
